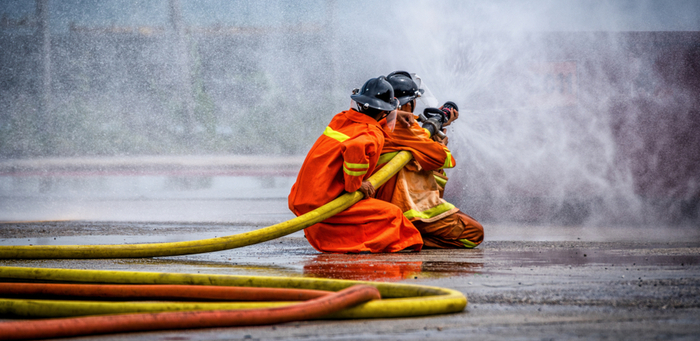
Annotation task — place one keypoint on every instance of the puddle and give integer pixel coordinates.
(382, 268)
(293, 256)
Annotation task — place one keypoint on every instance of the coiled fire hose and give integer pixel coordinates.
(90, 325)
(398, 300)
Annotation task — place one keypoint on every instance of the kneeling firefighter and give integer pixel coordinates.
(341, 160)
(417, 188)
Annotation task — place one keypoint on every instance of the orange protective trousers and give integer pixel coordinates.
(420, 191)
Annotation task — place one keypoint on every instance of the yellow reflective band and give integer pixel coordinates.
(356, 165)
(448, 160)
(429, 213)
(384, 158)
(467, 243)
(336, 135)
(440, 181)
(427, 132)
(353, 173)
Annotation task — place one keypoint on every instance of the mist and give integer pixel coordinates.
(571, 112)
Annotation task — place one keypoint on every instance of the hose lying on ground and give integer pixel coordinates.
(91, 325)
(160, 292)
(398, 300)
(205, 245)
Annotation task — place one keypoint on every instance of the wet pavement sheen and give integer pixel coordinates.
(586, 289)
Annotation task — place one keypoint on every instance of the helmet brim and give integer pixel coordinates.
(375, 103)
(405, 99)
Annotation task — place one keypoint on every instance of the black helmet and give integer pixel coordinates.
(405, 89)
(377, 94)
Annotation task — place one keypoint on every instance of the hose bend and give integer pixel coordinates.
(205, 245)
(398, 300)
(91, 325)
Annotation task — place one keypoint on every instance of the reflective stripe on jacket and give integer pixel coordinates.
(415, 189)
(428, 153)
(342, 157)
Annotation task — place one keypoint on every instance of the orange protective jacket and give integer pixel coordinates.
(346, 154)
(416, 189)
(428, 153)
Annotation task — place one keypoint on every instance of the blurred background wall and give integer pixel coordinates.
(572, 112)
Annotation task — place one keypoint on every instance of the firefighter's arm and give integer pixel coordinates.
(430, 152)
(356, 166)
(405, 118)
(437, 150)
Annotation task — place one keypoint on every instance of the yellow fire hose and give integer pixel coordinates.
(398, 300)
(205, 245)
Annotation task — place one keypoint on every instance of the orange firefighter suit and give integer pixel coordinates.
(344, 156)
(417, 190)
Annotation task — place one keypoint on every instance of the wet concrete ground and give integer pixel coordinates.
(523, 283)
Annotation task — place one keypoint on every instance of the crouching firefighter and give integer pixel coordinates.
(341, 160)
(417, 188)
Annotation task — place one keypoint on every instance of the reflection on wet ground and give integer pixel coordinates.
(643, 289)
(293, 256)
(369, 268)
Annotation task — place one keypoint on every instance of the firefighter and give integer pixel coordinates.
(417, 188)
(341, 160)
